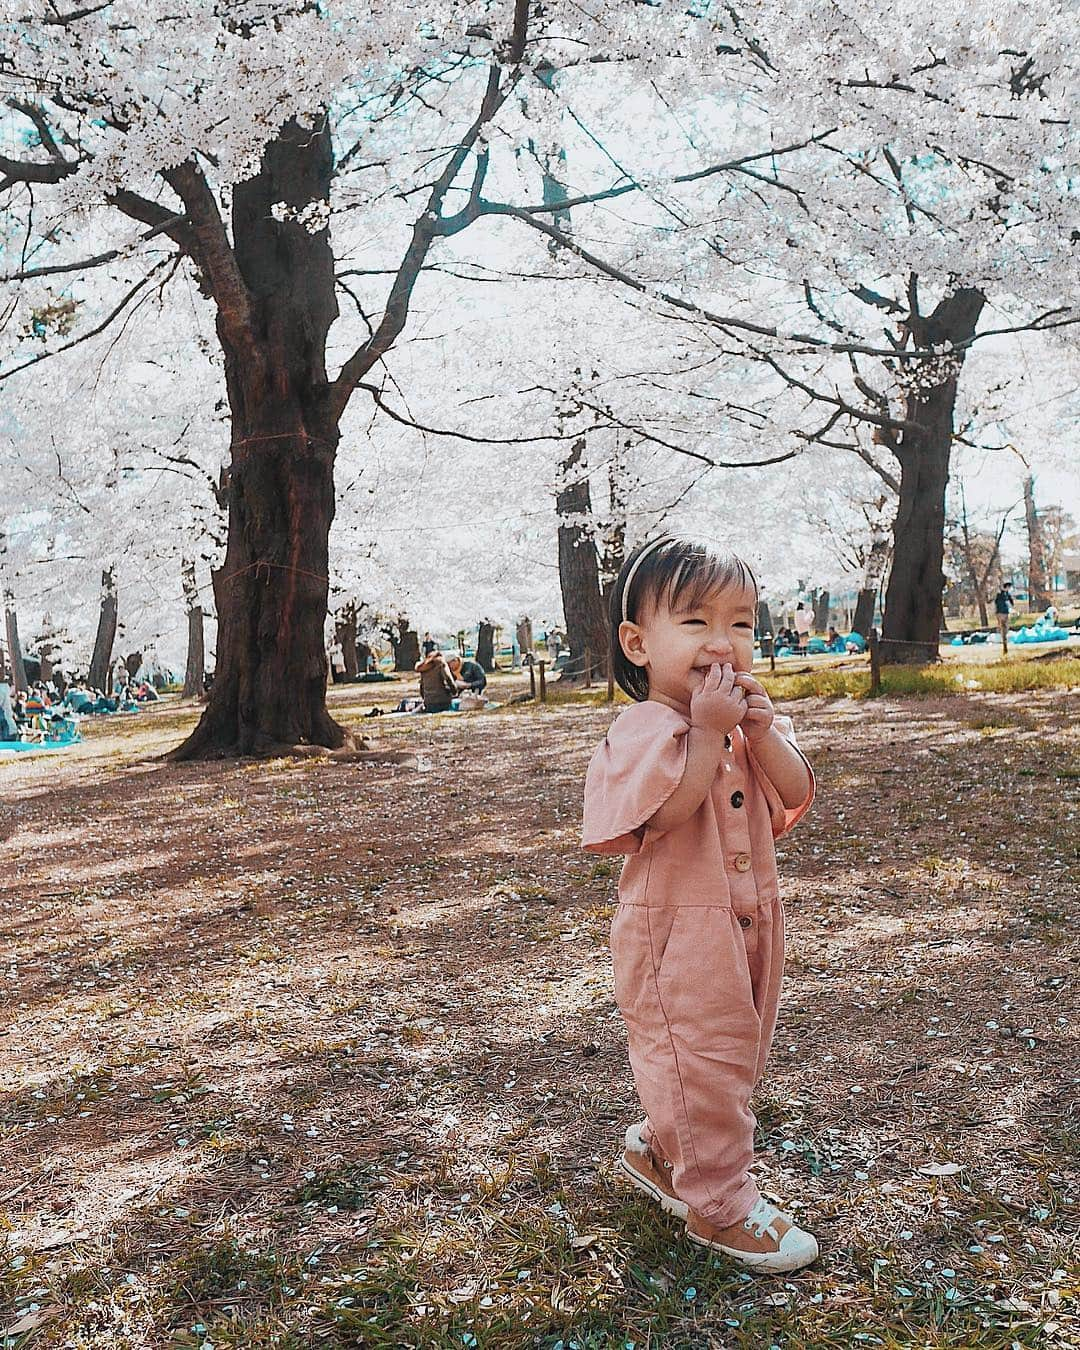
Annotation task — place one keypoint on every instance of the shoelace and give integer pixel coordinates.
(760, 1218)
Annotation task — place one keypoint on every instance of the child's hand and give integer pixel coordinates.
(719, 705)
(759, 708)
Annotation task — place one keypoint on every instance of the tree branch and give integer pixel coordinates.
(213, 252)
(99, 259)
(430, 226)
(128, 296)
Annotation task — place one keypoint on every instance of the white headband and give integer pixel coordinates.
(633, 572)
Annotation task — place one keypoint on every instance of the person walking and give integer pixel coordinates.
(1003, 605)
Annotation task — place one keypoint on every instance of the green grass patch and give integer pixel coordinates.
(934, 681)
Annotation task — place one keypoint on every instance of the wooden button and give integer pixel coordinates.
(742, 862)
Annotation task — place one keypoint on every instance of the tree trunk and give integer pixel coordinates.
(877, 558)
(764, 618)
(101, 661)
(345, 632)
(1038, 589)
(269, 689)
(613, 536)
(15, 656)
(195, 668)
(579, 574)
(917, 580)
(405, 643)
(525, 635)
(485, 645)
(821, 611)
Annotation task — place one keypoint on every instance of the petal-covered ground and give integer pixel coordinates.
(304, 1053)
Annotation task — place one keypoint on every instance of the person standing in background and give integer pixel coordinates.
(1003, 604)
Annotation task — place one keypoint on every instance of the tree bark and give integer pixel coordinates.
(579, 573)
(485, 645)
(405, 643)
(101, 660)
(195, 668)
(1038, 588)
(764, 618)
(269, 689)
(15, 656)
(345, 632)
(910, 631)
(821, 611)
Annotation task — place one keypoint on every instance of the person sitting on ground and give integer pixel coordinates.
(468, 674)
(833, 641)
(77, 697)
(437, 687)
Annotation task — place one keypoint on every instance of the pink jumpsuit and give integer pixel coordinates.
(697, 944)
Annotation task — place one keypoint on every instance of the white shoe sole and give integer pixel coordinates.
(768, 1263)
(666, 1202)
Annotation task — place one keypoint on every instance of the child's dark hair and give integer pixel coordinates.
(679, 571)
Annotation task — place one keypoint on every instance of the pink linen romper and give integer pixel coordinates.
(697, 943)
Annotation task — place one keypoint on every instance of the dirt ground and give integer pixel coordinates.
(297, 1053)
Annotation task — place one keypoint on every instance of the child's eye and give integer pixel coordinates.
(743, 625)
(688, 621)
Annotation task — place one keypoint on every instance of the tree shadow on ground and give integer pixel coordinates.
(318, 1048)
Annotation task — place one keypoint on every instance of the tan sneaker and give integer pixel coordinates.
(766, 1240)
(649, 1171)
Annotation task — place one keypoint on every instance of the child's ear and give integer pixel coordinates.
(632, 641)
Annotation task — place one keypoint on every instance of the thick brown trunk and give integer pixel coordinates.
(269, 688)
(195, 668)
(579, 573)
(345, 632)
(405, 644)
(485, 645)
(864, 611)
(821, 611)
(874, 566)
(101, 661)
(1038, 587)
(910, 632)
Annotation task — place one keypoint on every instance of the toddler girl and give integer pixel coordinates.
(694, 782)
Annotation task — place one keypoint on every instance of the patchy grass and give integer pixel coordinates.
(301, 1054)
(1003, 677)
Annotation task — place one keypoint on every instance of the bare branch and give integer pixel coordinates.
(113, 314)
(99, 259)
(728, 166)
(430, 226)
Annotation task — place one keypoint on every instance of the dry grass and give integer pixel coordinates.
(302, 1054)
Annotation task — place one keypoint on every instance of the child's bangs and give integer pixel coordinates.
(705, 574)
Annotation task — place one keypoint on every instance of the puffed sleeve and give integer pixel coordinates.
(783, 818)
(631, 775)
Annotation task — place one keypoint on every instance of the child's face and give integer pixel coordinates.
(677, 646)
